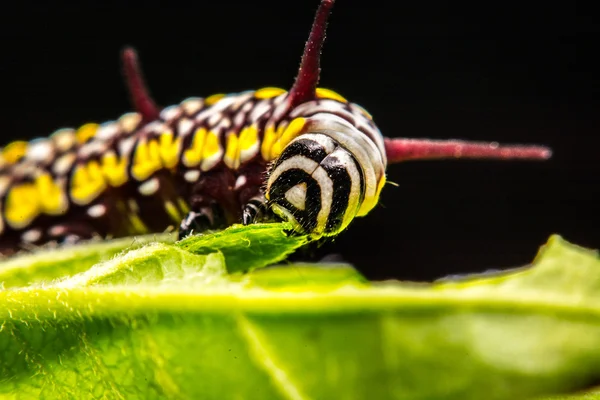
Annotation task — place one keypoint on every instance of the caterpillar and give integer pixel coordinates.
(307, 156)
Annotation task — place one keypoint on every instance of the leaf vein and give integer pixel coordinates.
(267, 362)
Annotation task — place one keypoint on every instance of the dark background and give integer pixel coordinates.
(506, 71)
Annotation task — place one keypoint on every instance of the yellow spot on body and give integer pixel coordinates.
(380, 185)
(115, 170)
(169, 150)
(173, 212)
(276, 149)
(211, 145)
(193, 155)
(292, 130)
(51, 195)
(248, 137)
(22, 205)
(232, 151)
(268, 92)
(87, 182)
(14, 151)
(268, 140)
(323, 93)
(146, 160)
(210, 100)
(86, 132)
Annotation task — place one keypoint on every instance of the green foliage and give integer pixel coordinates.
(66, 261)
(183, 321)
(267, 244)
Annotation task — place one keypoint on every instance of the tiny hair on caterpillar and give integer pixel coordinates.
(305, 155)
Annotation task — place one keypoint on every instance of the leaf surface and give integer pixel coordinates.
(177, 321)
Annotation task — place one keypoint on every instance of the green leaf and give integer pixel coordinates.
(247, 247)
(588, 395)
(164, 322)
(46, 265)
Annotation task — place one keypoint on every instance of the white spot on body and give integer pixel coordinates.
(259, 110)
(125, 146)
(248, 154)
(240, 100)
(156, 128)
(31, 236)
(247, 107)
(323, 106)
(279, 99)
(224, 103)
(57, 230)
(94, 147)
(63, 164)
(281, 108)
(149, 187)
(191, 175)
(130, 121)
(240, 181)
(214, 119)
(192, 105)
(96, 211)
(209, 163)
(224, 123)
(185, 126)
(239, 119)
(107, 131)
(64, 139)
(213, 113)
(40, 151)
(170, 113)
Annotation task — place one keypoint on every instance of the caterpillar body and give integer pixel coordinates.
(306, 155)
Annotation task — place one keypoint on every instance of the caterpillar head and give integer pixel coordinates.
(325, 177)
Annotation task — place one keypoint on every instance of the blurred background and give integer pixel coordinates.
(505, 71)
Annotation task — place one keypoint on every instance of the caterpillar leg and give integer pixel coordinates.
(254, 210)
(207, 217)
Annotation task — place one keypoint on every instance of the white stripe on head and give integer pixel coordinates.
(325, 141)
(355, 177)
(296, 162)
(366, 152)
(317, 173)
(327, 190)
(297, 196)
